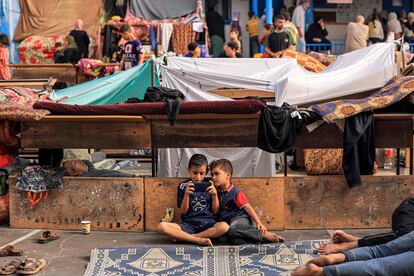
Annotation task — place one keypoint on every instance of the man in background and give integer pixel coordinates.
(252, 27)
(356, 35)
(298, 19)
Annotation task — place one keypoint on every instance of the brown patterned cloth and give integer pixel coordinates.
(307, 62)
(325, 59)
(181, 36)
(323, 161)
(393, 91)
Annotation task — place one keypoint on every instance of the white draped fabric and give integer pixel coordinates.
(354, 72)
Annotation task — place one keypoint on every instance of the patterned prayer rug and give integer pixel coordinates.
(248, 260)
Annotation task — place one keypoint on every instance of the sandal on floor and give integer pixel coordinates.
(31, 266)
(48, 236)
(10, 250)
(10, 267)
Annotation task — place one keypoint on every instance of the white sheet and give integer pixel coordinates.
(247, 162)
(352, 73)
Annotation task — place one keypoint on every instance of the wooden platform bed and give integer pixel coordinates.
(192, 131)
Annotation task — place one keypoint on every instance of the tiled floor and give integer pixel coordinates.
(69, 255)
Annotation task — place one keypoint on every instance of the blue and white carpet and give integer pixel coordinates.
(248, 260)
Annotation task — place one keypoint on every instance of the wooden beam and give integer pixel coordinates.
(100, 133)
(205, 133)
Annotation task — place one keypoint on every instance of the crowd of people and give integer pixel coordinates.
(287, 31)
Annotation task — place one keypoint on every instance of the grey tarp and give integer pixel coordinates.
(161, 9)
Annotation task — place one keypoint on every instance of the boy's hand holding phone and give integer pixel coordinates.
(211, 189)
(189, 188)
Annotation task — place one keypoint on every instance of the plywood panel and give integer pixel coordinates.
(65, 73)
(327, 202)
(112, 204)
(86, 134)
(213, 133)
(160, 194)
(264, 194)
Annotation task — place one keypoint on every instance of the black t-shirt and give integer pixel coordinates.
(82, 40)
(278, 41)
(200, 207)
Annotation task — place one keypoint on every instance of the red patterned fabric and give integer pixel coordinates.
(215, 107)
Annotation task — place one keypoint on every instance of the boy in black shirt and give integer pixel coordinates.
(198, 209)
(279, 40)
(235, 209)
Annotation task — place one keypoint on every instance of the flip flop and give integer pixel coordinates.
(10, 267)
(31, 266)
(10, 250)
(48, 236)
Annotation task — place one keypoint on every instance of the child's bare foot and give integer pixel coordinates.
(272, 237)
(307, 270)
(205, 242)
(330, 248)
(328, 260)
(341, 236)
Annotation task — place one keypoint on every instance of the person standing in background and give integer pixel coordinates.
(4, 57)
(394, 25)
(215, 24)
(356, 35)
(81, 38)
(298, 19)
(252, 27)
(376, 33)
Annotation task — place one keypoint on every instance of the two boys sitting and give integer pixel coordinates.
(222, 208)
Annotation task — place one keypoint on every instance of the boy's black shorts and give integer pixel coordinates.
(197, 226)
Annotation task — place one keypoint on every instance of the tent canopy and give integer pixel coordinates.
(111, 89)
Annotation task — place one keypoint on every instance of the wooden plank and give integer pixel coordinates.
(205, 133)
(111, 204)
(61, 73)
(327, 201)
(160, 194)
(264, 194)
(243, 93)
(86, 134)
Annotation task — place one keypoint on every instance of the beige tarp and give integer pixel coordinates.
(57, 17)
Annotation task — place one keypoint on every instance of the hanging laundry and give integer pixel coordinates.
(182, 35)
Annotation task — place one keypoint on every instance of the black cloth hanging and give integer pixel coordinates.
(359, 150)
(278, 128)
(171, 97)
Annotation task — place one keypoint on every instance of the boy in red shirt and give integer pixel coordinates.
(236, 210)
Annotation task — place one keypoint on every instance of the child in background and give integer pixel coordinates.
(4, 57)
(234, 37)
(235, 209)
(198, 209)
(132, 49)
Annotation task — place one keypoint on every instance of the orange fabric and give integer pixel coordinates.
(307, 62)
(57, 17)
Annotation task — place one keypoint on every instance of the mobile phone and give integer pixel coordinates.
(201, 186)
